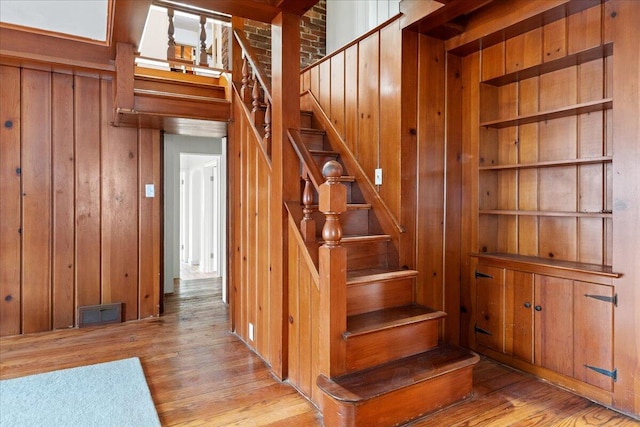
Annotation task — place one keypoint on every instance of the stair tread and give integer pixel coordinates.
(379, 380)
(324, 153)
(312, 130)
(352, 238)
(350, 206)
(387, 318)
(377, 274)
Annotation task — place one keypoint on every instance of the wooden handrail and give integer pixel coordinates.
(305, 157)
(255, 63)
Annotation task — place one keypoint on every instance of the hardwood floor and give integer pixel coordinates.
(202, 375)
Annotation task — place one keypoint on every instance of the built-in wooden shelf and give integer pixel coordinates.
(512, 212)
(597, 52)
(532, 263)
(550, 163)
(582, 108)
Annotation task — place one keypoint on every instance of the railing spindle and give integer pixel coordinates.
(171, 48)
(308, 224)
(267, 127)
(244, 89)
(203, 41)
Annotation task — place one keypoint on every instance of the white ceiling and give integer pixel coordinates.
(80, 18)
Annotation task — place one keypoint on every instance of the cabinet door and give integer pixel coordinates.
(519, 311)
(593, 339)
(553, 318)
(489, 307)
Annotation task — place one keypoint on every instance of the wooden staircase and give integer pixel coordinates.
(394, 369)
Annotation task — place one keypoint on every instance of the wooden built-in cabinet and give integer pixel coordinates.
(550, 321)
(548, 100)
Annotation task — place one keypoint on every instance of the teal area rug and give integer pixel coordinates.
(106, 394)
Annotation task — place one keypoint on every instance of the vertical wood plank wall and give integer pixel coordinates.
(76, 227)
(304, 318)
(357, 89)
(250, 181)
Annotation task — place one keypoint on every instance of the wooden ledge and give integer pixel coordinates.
(575, 270)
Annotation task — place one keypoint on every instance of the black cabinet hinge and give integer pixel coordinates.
(481, 331)
(479, 274)
(613, 300)
(611, 374)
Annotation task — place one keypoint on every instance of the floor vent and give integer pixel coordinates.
(93, 315)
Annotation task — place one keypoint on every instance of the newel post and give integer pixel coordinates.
(332, 260)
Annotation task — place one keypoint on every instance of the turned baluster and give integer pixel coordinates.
(267, 127)
(257, 112)
(171, 48)
(308, 224)
(333, 201)
(244, 89)
(203, 41)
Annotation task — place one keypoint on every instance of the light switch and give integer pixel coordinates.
(149, 190)
(378, 177)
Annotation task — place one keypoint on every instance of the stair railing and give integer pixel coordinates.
(255, 90)
(313, 179)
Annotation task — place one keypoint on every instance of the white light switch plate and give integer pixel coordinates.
(149, 190)
(378, 177)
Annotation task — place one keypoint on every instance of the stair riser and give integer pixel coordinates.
(375, 348)
(353, 222)
(363, 298)
(362, 255)
(402, 405)
(313, 140)
(306, 120)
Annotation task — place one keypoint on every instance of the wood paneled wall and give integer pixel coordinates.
(357, 88)
(76, 227)
(304, 317)
(250, 181)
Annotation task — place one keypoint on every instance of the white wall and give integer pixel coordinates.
(349, 19)
(173, 146)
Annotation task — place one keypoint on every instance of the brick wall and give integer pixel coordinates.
(312, 37)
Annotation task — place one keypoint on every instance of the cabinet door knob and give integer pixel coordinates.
(538, 308)
(527, 305)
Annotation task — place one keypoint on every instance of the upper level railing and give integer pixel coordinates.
(255, 90)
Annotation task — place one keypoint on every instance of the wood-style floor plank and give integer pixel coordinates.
(199, 374)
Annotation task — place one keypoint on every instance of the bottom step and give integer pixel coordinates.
(398, 391)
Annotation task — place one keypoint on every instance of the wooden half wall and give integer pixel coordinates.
(76, 226)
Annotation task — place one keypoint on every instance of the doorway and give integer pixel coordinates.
(199, 216)
(194, 210)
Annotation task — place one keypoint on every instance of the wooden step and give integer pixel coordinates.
(399, 391)
(313, 138)
(367, 251)
(381, 336)
(375, 289)
(306, 119)
(354, 221)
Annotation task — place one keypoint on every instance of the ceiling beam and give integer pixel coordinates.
(434, 22)
(129, 17)
(249, 9)
(299, 7)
